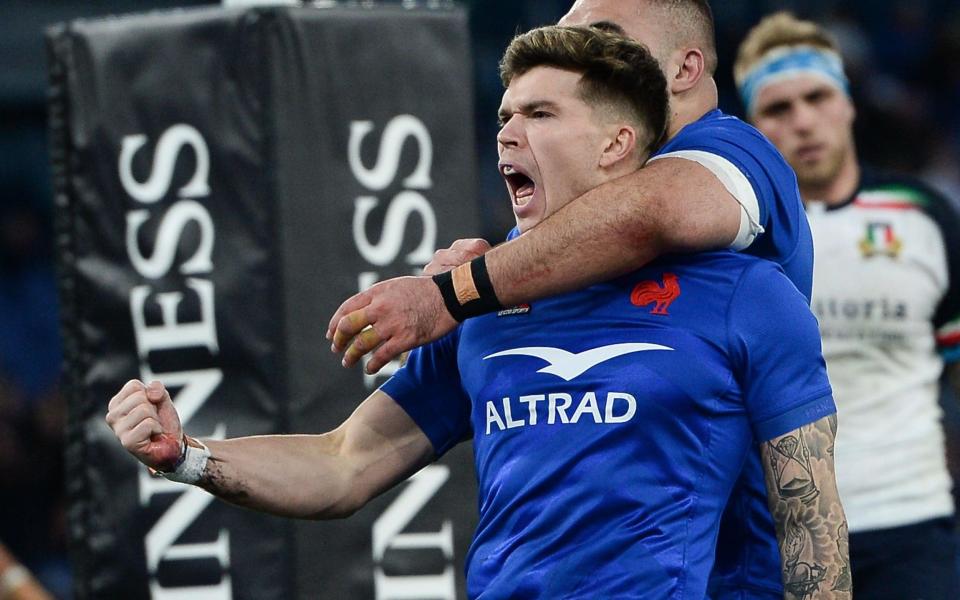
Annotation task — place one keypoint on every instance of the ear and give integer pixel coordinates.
(620, 146)
(687, 68)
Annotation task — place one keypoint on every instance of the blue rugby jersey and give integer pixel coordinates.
(745, 563)
(610, 424)
(786, 239)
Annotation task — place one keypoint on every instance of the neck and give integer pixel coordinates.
(838, 189)
(687, 107)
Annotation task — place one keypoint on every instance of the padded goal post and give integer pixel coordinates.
(224, 178)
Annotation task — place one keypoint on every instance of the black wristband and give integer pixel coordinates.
(470, 294)
(444, 281)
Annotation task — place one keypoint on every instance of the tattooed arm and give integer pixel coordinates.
(811, 527)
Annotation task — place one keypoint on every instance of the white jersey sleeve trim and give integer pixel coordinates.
(737, 184)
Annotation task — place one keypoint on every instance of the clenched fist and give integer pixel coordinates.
(147, 425)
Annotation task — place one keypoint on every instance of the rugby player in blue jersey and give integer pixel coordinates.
(716, 183)
(610, 424)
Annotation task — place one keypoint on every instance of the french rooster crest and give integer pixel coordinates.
(661, 295)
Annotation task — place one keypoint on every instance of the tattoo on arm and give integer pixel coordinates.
(810, 523)
(216, 482)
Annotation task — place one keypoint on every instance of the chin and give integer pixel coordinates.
(819, 176)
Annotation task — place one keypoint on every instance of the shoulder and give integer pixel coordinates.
(766, 299)
(719, 276)
(758, 274)
(735, 152)
(720, 131)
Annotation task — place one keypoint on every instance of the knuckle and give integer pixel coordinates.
(140, 412)
(344, 325)
(386, 353)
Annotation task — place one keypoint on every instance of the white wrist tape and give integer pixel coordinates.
(12, 578)
(194, 462)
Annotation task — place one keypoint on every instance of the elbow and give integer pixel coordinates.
(329, 514)
(334, 512)
(341, 507)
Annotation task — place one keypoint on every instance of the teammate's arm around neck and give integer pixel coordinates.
(671, 205)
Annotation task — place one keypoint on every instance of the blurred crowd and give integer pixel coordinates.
(905, 79)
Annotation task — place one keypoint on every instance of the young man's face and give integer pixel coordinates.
(811, 123)
(550, 143)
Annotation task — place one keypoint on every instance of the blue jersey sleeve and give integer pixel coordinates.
(428, 388)
(785, 238)
(775, 343)
(746, 148)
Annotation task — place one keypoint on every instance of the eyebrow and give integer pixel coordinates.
(609, 26)
(528, 107)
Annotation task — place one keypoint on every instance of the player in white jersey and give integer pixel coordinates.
(886, 291)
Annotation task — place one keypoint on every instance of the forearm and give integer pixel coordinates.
(324, 476)
(671, 205)
(299, 476)
(603, 234)
(810, 523)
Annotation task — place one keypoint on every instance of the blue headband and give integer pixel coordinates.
(790, 62)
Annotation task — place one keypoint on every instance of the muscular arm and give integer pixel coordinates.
(671, 205)
(320, 476)
(304, 476)
(809, 519)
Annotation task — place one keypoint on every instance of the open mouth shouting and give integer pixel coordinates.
(521, 185)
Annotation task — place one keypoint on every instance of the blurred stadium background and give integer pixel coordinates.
(901, 56)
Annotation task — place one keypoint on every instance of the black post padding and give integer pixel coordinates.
(224, 178)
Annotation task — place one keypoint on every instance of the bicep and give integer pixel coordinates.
(696, 209)
(382, 444)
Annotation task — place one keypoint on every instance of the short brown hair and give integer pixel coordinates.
(781, 29)
(615, 70)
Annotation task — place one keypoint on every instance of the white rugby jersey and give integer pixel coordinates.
(886, 291)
